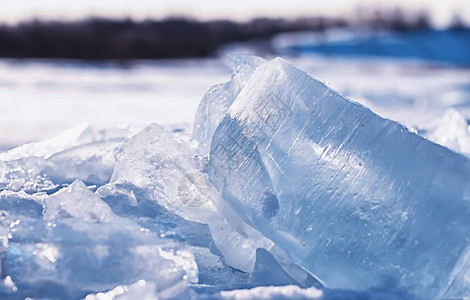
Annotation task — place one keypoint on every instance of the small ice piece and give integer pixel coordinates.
(167, 168)
(77, 201)
(356, 199)
(218, 99)
(212, 268)
(7, 287)
(92, 163)
(25, 174)
(80, 134)
(79, 153)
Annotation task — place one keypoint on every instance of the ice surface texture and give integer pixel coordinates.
(356, 199)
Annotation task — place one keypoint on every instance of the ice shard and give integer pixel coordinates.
(354, 198)
(80, 134)
(168, 170)
(77, 201)
(218, 98)
(78, 153)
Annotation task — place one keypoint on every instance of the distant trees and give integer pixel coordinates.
(394, 20)
(457, 23)
(100, 39)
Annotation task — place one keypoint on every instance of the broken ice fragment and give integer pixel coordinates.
(218, 98)
(356, 199)
(167, 169)
(79, 134)
(77, 201)
(78, 153)
(92, 163)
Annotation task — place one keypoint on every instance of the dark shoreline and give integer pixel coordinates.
(108, 39)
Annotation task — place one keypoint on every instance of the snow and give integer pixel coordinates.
(46, 97)
(452, 131)
(286, 189)
(273, 292)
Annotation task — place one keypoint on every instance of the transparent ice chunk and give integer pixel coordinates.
(80, 134)
(356, 199)
(82, 247)
(92, 163)
(79, 153)
(77, 201)
(71, 258)
(167, 168)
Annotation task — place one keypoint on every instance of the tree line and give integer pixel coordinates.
(103, 39)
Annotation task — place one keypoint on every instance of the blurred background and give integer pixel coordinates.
(134, 62)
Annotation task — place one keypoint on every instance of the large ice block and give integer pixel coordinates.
(354, 198)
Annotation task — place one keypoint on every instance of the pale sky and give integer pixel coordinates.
(17, 10)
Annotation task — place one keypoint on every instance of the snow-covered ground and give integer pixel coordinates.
(39, 99)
